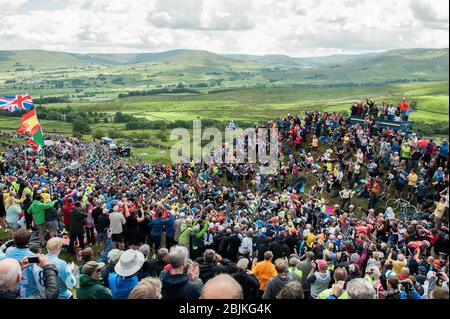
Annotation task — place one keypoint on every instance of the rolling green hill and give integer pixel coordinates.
(408, 54)
(38, 59)
(191, 67)
(127, 58)
(390, 66)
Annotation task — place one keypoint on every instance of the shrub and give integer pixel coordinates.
(114, 134)
(98, 134)
(162, 135)
(80, 126)
(141, 136)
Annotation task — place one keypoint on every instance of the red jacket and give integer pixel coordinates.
(404, 105)
(66, 209)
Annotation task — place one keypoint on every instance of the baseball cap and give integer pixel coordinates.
(91, 266)
(322, 264)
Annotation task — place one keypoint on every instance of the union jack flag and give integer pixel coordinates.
(15, 102)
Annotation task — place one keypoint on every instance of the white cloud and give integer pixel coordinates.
(212, 15)
(7, 6)
(293, 27)
(434, 14)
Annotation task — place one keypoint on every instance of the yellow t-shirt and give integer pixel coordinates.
(440, 209)
(412, 179)
(397, 266)
(310, 239)
(329, 167)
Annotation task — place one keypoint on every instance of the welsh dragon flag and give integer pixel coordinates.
(30, 124)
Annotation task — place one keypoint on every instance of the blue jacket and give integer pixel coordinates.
(28, 286)
(121, 286)
(156, 226)
(443, 151)
(66, 280)
(170, 230)
(179, 286)
(18, 253)
(396, 147)
(401, 180)
(414, 294)
(438, 176)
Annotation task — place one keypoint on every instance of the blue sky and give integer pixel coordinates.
(292, 27)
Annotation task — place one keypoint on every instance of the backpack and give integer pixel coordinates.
(50, 214)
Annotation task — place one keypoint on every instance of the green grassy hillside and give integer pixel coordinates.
(38, 59)
(81, 75)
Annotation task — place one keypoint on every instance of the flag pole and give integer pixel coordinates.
(45, 155)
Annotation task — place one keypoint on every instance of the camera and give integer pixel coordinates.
(407, 285)
(33, 260)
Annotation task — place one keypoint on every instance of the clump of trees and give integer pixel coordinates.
(120, 117)
(144, 124)
(429, 129)
(52, 99)
(177, 89)
(80, 127)
(98, 134)
(162, 135)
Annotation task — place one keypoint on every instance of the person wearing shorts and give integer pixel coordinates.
(117, 238)
(117, 220)
(51, 221)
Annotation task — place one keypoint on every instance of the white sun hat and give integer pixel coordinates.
(129, 263)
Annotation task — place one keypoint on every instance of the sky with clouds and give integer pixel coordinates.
(292, 27)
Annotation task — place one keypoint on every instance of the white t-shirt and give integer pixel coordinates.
(116, 220)
(246, 244)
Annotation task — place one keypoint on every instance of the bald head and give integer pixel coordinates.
(10, 273)
(222, 287)
(405, 272)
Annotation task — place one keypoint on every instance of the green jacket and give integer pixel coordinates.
(91, 288)
(185, 234)
(37, 208)
(297, 272)
(15, 186)
(203, 230)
